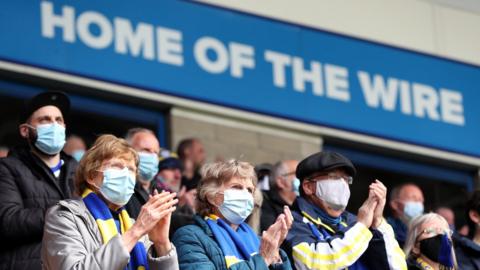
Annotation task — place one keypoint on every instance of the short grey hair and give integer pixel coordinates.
(214, 175)
(279, 170)
(133, 131)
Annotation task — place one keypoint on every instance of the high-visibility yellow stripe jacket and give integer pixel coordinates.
(313, 244)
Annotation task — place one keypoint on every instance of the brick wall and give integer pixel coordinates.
(232, 138)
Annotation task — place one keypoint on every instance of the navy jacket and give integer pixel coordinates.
(467, 252)
(313, 244)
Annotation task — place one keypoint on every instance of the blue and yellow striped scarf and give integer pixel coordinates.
(237, 245)
(108, 228)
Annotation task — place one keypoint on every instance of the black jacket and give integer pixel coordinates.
(138, 199)
(27, 189)
(272, 206)
(467, 252)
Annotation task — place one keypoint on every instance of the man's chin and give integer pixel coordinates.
(333, 212)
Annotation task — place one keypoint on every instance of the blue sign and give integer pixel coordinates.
(224, 57)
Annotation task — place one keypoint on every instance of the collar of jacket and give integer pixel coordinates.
(78, 208)
(39, 168)
(203, 224)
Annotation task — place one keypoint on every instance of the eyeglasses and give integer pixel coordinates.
(332, 175)
(289, 173)
(436, 231)
(118, 165)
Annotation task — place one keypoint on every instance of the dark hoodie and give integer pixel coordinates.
(467, 252)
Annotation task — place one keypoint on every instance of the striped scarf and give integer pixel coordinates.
(237, 245)
(108, 228)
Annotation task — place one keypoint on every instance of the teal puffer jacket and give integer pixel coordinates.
(198, 250)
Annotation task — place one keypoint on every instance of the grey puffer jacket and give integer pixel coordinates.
(72, 240)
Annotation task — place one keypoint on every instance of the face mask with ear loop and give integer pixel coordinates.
(50, 138)
(334, 192)
(118, 185)
(237, 205)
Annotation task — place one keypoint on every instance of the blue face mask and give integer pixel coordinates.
(50, 138)
(78, 154)
(118, 185)
(412, 209)
(296, 186)
(237, 205)
(148, 166)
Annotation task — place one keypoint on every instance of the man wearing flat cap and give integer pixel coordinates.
(324, 235)
(33, 178)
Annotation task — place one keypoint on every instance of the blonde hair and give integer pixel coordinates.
(214, 175)
(414, 232)
(104, 148)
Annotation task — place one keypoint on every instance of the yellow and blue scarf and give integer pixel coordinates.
(108, 228)
(237, 245)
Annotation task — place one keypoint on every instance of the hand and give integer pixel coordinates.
(187, 197)
(365, 212)
(270, 242)
(157, 207)
(288, 222)
(380, 193)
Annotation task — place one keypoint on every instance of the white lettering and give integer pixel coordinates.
(104, 39)
(279, 62)
(205, 44)
(65, 22)
(169, 44)
(452, 108)
(425, 101)
(126, 38)
(405, 99)
(336, 79)
(302, 76)
(378, 92)
(241, 56)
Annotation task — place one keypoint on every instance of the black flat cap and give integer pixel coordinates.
(324, 161)
(54, 98)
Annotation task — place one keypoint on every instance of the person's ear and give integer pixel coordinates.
(24, 130)
(395, 205)
(308, 187)
(416, 249)
(474, 216)
(281, 182)
(92, 180)
(215, 200)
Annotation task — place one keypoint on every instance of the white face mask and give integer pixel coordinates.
(334, 192)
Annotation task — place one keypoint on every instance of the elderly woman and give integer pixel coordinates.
(220, 239)
(95, 231)
(429, 245)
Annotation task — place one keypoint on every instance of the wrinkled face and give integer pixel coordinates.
(44, 115)
(233, 183)
(145, 142)
(310, 187)
(172, 178)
